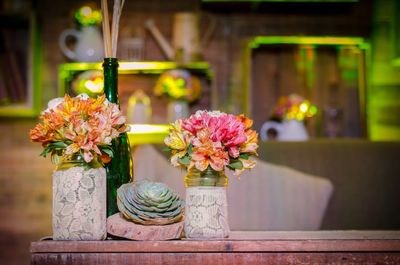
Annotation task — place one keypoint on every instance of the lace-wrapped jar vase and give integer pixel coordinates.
(79, 199)
(206, 210)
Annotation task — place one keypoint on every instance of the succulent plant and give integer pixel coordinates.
(149, 203)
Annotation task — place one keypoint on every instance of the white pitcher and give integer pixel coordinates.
(89, 44)
(288, 130)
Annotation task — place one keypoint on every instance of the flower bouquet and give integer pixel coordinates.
(213, 139)
(290, 111)
(181, 88)
(205, 144)
(79, 125)
(293, 107)
(178, 84)
(78, 132)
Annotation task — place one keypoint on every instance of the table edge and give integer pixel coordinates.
(118, 246)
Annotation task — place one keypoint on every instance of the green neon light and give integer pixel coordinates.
(67, 71)
(18, 110)
(396, 62)
(147, 133)
(128, 67)
(257, 41)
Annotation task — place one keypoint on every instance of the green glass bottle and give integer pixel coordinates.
(120, 169)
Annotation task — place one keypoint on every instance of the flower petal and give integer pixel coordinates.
(234, 151)
(201, 165)
(88, 156)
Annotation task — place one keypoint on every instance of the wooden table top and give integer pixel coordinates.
(240, 241)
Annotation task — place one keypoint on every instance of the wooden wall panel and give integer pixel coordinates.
(25, 192)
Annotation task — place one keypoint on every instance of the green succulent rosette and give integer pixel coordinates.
(149, 203)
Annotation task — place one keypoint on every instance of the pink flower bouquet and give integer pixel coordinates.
(79, 125)
(213, 139)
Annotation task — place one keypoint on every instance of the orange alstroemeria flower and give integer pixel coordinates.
(206, 152)
(246, 121)
(39, 134)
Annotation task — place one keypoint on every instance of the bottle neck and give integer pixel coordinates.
(110, 70)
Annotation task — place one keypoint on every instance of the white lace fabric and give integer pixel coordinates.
(206, 213)
(79, 204)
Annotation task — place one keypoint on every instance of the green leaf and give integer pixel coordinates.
(236, 164)
(109, 147)
(184, 160)
(108, 151)
(58, 145)
(244, 156)
(190, 149)
(46, 151)
(167, 149)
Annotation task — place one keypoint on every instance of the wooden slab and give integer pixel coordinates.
(241, 248)
(120, 227)
(288, 241)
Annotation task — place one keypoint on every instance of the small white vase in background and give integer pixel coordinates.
(139, 108)
(293, 130)
(177, 109)
(288, 130)
(89, 44)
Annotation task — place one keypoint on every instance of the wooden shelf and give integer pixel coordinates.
(67, 71)
(151, 67)
(257, 247)
(147, 133)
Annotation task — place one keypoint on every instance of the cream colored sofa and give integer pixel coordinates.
(365, 176)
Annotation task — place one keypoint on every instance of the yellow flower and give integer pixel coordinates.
(251, 144)
(176, 138)
(178, 142)
(247, 164)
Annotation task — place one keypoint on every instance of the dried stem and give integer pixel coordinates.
(106, 29)
(111, 41)
(118, 5)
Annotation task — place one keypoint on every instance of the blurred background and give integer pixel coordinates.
(179, 56)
